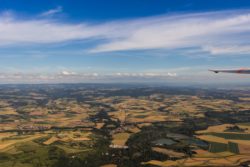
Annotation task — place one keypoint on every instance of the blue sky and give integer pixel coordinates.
(123, 41)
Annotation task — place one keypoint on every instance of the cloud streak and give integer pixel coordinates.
(70, 76)
(202, 30)
(52, 12)
(68, 73)
(119, 77)
(225, 32)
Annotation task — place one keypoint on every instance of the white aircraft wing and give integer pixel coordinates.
(239, 71)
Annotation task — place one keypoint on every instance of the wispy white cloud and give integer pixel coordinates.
(184, 31)
(221, 32)
(201, 78)
(52, 12)
(236, 49)
(70, 76)
(68, 73)
(145, 74)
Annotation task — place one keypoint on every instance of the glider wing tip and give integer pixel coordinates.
(215, 71)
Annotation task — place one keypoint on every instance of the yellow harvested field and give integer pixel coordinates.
(68, 136)
(160, 163)
(223, 154)
(120, 138)
(223, 161)
(70, 150)
(168, 152)
(245, 142)
(245, 98)
(245, 127)
(183, 106)
(230, 160)
(222, 128)
(206, 154)
(134, 130)
(51, 140)
(137, 110)
(120, 115)
(7, 134)
(194, 161)
(8, 126)
(8, 111)
(5, 144)
(4, 104)
(158, 118)
(82, 139)
(211, 138)
(218, 128)
(39, 111)
(144, 124)
(99, 125)
(244, 149)
(109, 165)
(201, 152)
(239, 158)
(153, 117)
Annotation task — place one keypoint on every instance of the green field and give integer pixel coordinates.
(233, 147)
(215, 147)
(232, 136)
